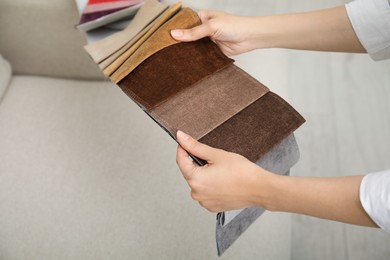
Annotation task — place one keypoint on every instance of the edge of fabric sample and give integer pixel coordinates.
(91, 17)
(107, 46)
(104, 6)
(109, 18)
(227, 235)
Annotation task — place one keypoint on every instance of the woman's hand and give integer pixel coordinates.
(229, 181)
(230, 32)
(322, 30)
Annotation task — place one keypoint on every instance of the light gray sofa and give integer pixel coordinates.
(84, 173)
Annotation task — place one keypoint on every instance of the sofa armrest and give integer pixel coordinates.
(38, 37)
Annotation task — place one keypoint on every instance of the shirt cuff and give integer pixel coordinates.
(371, 21)
(375, 198)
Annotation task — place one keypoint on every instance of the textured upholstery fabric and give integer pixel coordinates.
(256, 129)
(38, 37)
(102, 49)
(104, 5)
(95, 11)
(159, 40)
(121, 71)
(5, 75)
(87, 17)
(232, 224)
(116, 56)
(172, 70)
(199, 109)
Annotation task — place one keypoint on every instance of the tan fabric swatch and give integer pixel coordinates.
(126, 68)
(102, 49)
(126, 51)
(109, 60)
(210, 102)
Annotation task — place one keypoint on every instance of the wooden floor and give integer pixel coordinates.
(345, 99)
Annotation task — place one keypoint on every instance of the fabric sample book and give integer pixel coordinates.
(194, 87)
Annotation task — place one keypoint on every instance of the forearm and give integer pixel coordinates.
(323, 30)
(334, 198)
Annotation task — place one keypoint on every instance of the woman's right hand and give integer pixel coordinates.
(230, 32)
(322, 30)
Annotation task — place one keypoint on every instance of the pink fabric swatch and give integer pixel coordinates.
(99, 8)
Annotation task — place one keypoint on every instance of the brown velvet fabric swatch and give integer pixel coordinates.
(117, 64)
(172, 70)
(256, 129)
(161, 39)
(210, 102)
(102, 49)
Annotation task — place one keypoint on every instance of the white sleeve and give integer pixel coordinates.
(371, 21)
(375, 198)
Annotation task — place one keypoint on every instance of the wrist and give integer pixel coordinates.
(265, 191)
(265, 32)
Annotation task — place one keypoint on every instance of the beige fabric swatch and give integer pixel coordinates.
(102, 49)
(109, 60)
(210, 102)
(126, 68)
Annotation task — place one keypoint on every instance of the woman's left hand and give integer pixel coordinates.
(229, 181)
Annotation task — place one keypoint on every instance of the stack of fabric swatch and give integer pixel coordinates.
(195, 88)
(101, 12)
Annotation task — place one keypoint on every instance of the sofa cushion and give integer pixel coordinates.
(39, 38)
(86, 174)
(5, 76)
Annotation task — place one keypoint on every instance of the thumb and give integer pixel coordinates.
(188, 35)
(196, 148)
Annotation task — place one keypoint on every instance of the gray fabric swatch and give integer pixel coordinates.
(231, 224)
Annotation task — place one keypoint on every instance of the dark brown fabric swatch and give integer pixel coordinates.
(256, 129)
(210, 102)
(160, 39)
(173, 69)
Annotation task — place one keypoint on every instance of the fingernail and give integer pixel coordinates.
(177, 33)
(182, 136)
